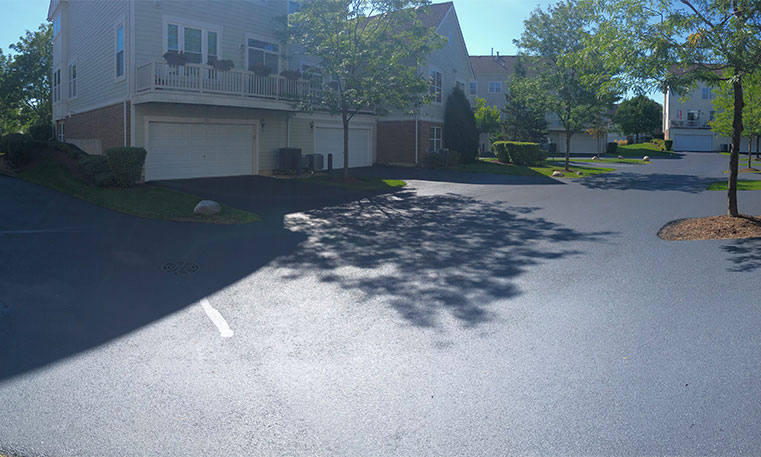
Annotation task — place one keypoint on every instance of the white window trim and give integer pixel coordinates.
(441, 88)
(72, 82)
(431, 138)
(117, 25)
(495, 82)
(205, 27)
(253, 36)
(56, 88)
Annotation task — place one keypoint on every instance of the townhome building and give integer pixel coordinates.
(687, 118)
(200, 84)
(405, 138)
(491, 75)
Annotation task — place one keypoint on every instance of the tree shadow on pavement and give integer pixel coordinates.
(745, 255)
(429, 257)
(648, 181)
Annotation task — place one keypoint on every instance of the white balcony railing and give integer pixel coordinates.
(690, 124)
(194, 78)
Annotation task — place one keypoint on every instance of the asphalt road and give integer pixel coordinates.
(465, 315)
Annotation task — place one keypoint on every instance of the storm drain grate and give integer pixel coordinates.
(180, 268)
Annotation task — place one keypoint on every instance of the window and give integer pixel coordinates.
(712, 115)
(57, 86)
(73, 79)
(434, 143)
(120, 51)
(693, 115)
(199, 44)
(708, 93)
(263, 53)
(495, 87)
(473, 88)
(460, 85)
(56, 25)
(436, 84)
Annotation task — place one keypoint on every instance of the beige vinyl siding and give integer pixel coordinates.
(234, 19)
(492, 99)
(302, 136)
(90, 32)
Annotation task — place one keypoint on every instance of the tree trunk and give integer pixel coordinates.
(750, 151)
(758, 140)
(568, 150)
(734, 155)
(345, 119)
(636, 138)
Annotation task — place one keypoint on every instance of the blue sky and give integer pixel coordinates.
(486, 24)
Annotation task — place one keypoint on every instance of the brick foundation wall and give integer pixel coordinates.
(104, 124)
(396, 141)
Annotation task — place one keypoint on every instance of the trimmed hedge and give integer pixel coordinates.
(126, 165)
(41, 132)
(669, 144)
(17, 148)
(70, 150)
(519, 153)
(441, 159)
(611, 148)
(97, 169)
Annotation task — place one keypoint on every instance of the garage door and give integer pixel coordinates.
(583, 144)
(331, 141)
(699, 143)
(189, 150)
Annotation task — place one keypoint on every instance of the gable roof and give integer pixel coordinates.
(493, 65)
(433, 15)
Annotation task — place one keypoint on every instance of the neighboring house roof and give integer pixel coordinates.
(493, 65)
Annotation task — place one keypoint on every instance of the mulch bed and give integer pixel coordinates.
(712, 228)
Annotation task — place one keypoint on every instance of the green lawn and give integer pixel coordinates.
(642, 149)
(603, 160)
(741, 185)
(353, 182)
(142, 201)
(491, 165)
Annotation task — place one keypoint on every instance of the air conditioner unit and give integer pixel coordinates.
(289, 159)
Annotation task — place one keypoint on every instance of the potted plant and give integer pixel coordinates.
(262, 70)
(174, 58)
(291, 75)
(223, 64)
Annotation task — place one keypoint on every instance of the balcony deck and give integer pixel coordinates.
(161, 77)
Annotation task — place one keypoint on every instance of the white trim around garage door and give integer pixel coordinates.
(200, 120)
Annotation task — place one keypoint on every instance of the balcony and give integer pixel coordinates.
(690, 124)
(203, 79)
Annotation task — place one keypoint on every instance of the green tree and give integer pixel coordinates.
(567, 66)
(487, 117)
(638, 115)
(460, 130)
(724, 104)
(525, 110)
(674, 44)
(371, 51)
(25, 81)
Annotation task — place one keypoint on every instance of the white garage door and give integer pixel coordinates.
(330, 140)
(583, 144)
(187, 150)
(699, 143)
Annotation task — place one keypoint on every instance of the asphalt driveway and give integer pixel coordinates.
(467, 316)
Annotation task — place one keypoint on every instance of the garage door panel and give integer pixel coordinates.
(698, 143)
(190, 150)
(330, 141)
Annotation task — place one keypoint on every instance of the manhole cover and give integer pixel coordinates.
(179, 268)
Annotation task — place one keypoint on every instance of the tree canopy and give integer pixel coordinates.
(525, 110)
(638, 115)
(25, 81)
(567, 66)
(370, 51)
(487, 117)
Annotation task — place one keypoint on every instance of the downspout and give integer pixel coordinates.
(417, 133)
(124, 118)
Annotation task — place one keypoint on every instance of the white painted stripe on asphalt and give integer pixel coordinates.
(217, 319)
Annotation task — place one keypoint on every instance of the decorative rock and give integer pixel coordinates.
(596, 158)
(620, 157)
(646, 159)
(580, 173)
(207, 208)
(557, 174)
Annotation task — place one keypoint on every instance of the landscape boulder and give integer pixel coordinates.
(207, 208)
(620, 157)
(557, 174)
(596, 158)
(646, 159)
(580, 173)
